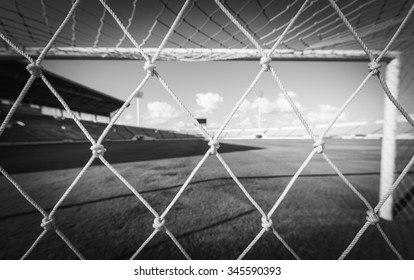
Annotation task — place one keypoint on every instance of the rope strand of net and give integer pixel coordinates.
(178, 101)
(101, 25)
(45, 18)
(238, 104)
(122, 109)
(292, 104)
(240, 185)
(73, 26)
(16, 48)
(72, 185)
(152, 28)
(294, 254)
(184, 186)
(345, 105)
(23, 192)
(34, 244)
(70, 245)
(128, 185)
(16, 104)
(389, 242)
(393, 100)
(291, 182)
(131, 17)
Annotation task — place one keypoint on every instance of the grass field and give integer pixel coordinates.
(212, 219)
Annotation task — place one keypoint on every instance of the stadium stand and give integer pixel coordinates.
(41, 128)
(368, 129)
(339, 130)
(29, 124)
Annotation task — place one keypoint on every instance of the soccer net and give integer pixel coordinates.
(377, 31)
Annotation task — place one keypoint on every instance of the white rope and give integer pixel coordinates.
(34, 244)
(128, 185)
(184, 186)
(70, 245)
(23, 192)
(101, 25)
(240, 185)
(45, 18)
(134, 7)
(73, 26)
(70, 188)
(392, 247)
(16, 104)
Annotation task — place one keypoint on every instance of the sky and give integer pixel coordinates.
(211, 90)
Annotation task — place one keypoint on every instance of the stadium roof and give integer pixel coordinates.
(13, 77)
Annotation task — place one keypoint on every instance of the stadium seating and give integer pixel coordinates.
(31, 126)
(42, 128)
(368, 129)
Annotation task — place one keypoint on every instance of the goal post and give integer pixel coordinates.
(196, 54)
(389, 138)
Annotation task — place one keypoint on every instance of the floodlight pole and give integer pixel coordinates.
(138, 96)
(389, 138)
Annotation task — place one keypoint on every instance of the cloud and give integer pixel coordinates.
(209, 102)
(325, 114)
(246, 123)
(161, 112)
(277, 106)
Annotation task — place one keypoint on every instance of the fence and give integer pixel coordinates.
(389, 84)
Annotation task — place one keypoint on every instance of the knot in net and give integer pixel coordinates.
(265, 61)
(35, 70)
(319, 146)
(158, 224)
(214, 144)
(150, 68)
(372, 217)
(48, 223)
(98, 150)
(374, 67)
(266, 223)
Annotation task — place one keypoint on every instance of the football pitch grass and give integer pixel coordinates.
(212, 219)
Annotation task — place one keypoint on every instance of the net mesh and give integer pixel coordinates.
(302, 25)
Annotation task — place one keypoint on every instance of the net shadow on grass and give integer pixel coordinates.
(106, 199)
